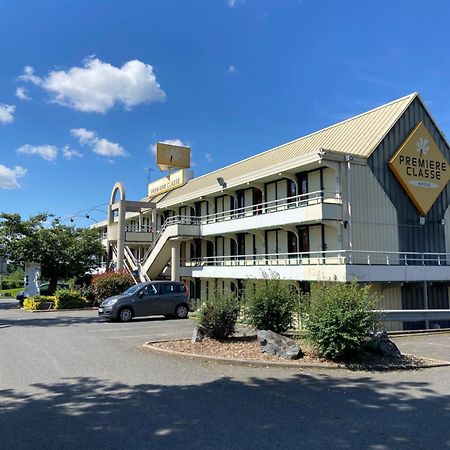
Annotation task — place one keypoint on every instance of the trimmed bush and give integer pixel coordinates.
(218, 315)
(269, 304)
(340, 318)
(68, 299)
(110, 283)
(35, 303)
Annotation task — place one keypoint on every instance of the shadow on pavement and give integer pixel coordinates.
(306, 411)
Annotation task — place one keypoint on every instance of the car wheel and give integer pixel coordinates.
(181, 312)
(125, 315)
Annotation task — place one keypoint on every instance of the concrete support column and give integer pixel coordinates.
(121, 235)
(175, 261)
(154, 224)
(425, 302)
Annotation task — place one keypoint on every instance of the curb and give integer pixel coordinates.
(237, 362)
(259, 363)
(59, 310)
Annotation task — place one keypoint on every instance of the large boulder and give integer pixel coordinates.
(380, 343)
(277, 345)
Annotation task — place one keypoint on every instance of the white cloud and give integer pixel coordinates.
(208, 157)
(98, 86)
(47, 152)
(7, 113)
(68, 153)
(231, 69)
(29, 76)
(84, 136)
(170, 142)
(233, 3)
(101, 146)
(9, 177)
(22, 93)
(107, 148)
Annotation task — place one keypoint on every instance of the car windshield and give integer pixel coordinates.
(132, 289)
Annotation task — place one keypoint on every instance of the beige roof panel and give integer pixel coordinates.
(359, 136)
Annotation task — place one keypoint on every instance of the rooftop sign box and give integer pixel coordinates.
(172, 181)
(170, 156)
(421, 168)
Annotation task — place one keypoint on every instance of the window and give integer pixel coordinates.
(173, 288)
(150, 289)
(303, 233)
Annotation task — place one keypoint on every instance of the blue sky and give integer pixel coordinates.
(87, 87)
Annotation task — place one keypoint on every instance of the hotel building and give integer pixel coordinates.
(366, 198)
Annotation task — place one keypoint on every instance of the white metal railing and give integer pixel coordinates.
(297, 201)
(333, 257)
(135, 264)
(138, 228)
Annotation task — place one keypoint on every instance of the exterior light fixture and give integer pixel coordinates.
(421, 220)
(221, 182)
(443, 222)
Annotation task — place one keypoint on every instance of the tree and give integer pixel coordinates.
(63, 251)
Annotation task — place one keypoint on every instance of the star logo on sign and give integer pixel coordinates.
(422, 146)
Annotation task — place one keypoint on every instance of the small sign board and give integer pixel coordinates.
(169, 156)
(172, 181)
(32, 279)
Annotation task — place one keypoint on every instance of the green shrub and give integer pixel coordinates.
(218, 315)
(68, 299)
(111, 283)
(340, 318)
(269, 304)
(35, 303)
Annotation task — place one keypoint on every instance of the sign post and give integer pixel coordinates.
(32, 279)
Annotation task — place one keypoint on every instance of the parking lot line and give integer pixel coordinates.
(138, 335)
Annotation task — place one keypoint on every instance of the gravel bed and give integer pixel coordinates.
(247, 348)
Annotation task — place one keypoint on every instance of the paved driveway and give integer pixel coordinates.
(435, 345)
(70, 381)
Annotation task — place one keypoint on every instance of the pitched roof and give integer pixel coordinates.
(359, 136)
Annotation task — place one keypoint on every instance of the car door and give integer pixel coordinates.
(173, 294)
(151, 299)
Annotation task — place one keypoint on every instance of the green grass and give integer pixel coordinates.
(12, 292)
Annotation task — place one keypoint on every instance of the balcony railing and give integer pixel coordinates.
(138, 228)
(334, 257)
(297, 201)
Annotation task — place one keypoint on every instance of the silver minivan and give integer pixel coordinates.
(167, 298)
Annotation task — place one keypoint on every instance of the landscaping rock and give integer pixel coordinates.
(275, 344)
(198, 335)
(383, 345)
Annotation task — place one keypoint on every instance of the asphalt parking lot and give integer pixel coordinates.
(69, 380)
(434, 345)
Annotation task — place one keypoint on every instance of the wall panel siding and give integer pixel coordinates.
(329, 179)
(447, 230)
(331, 238)
(282, 241)
(270, 192)
(374, 218)
(412, 236)
(315, 239)
(389, 298)
(314, 181)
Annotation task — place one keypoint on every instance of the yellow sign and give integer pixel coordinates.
(172, 181)
(170, 156)
(421, 168)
